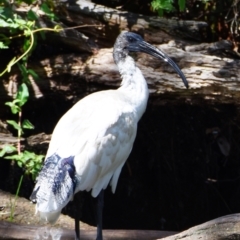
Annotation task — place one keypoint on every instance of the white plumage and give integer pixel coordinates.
(92, 141)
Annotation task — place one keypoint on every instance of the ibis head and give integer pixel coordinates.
(132, 42)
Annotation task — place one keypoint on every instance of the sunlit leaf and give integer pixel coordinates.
(15, 157)
(3, 45)
(27, 124)
(3, 23)
(28, 155)
(31, 24)
(14, 108)
(14, 124)
(159, 5)
(22, 94)
(7, 149)
(20, 164)
(20, 21)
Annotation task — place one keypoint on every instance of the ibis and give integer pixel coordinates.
(92, 141)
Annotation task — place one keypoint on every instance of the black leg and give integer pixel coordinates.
(99, 215)
(77, 218)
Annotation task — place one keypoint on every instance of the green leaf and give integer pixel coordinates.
(7, 149)
(162, 5)
(30, 164)
(14, 108)
(5, 39)
(15, 157)
(6, 12)
(14, 124)
(3, 23)
(28, 155)
(3, 45)
(31, 15)
(29, 160)
(48, 11)
(26, 44)
(12, 22)
(20, 164)
(22, 94)
(27, 32)
(20, 21)
(181, 4)
(27, 124)
(24, 72)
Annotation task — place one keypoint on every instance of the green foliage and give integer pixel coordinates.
(14, 25)
(181, 4)
(161, 5)
(167, 5)
(16, 107)
(27, 125)
(48, 12)
(29, 161)
(7, 148)
(22, 94)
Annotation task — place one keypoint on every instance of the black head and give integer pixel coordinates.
(126, 42)
(132, 42)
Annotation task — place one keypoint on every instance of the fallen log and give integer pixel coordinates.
(156, 30)
(210, 77)
(226, 227)
(211, 69)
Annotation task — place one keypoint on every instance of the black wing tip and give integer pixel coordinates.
(33, 197)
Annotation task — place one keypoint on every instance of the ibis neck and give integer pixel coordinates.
(133, 85)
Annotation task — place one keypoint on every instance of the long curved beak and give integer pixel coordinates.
(149, 49)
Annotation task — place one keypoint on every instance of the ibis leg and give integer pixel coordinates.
(77, 219)
(99, 215)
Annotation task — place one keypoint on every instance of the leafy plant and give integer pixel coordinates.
(30, 161)
(14, 25)
(166, 5)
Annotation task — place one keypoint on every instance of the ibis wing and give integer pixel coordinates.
(98, 132)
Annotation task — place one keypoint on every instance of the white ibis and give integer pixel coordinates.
(92, 141)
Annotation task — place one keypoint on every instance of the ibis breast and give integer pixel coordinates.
(99, 132)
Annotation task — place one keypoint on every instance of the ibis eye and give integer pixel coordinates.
(131, 39)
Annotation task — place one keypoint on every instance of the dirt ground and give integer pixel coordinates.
(24, 213)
